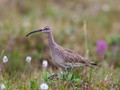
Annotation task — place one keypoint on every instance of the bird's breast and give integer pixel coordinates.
(58, 60)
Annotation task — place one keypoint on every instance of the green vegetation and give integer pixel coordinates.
(66, 18)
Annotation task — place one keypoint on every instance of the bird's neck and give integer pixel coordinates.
(51, 40)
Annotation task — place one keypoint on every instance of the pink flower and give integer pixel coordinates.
(101, 47)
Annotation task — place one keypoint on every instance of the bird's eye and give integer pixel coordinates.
(46, 28)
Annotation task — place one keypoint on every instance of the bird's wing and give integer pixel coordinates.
(73, 57)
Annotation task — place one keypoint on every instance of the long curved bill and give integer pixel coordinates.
(40, 30)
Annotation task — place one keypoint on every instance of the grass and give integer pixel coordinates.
(66, 18)
(100, 78)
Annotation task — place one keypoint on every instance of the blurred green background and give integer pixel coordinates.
(66, 18)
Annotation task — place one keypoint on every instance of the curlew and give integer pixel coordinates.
(62, 57)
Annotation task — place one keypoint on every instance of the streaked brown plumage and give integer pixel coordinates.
(62, 57)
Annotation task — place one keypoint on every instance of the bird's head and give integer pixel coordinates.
(45, 29)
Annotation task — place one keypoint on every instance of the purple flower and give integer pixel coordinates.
(101, 47)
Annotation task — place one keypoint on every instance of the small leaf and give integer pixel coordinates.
(72, 77)
(32, 84)
(46, 75)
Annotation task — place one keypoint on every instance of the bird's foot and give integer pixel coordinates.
(53, 76)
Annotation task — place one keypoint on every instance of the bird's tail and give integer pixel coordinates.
(93, 65)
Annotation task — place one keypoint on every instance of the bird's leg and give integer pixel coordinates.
(85, 71)
(67, 68)
(60, 70)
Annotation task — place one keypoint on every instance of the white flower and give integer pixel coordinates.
(61, 72)
(26, 23)
(45, 63)
(44, 86)
(106, 8)
(2, 86)
(28, 59)
(5, 59)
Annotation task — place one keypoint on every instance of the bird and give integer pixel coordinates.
(62, 57)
